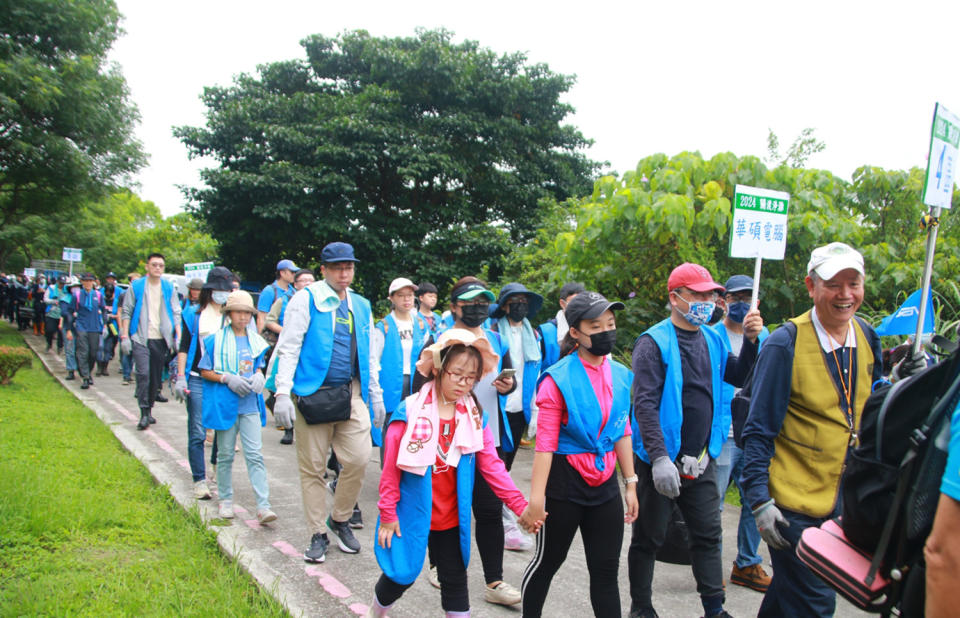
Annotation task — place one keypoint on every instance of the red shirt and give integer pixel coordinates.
(444, 514)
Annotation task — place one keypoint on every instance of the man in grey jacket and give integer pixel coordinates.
(150, 330)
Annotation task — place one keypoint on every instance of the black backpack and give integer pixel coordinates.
(891, 482)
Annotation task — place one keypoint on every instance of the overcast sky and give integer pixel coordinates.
(651, 76)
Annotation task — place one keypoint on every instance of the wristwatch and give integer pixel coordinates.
(629, 479)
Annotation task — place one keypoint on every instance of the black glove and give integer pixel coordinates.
(909, 365)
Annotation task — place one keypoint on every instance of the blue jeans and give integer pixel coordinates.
(794, 589)
(126, 365)
(248, 426)
(71, 352)
(195, 433)
(730, 462)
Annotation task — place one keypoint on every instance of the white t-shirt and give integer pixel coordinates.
(405, 330)
(514, 339)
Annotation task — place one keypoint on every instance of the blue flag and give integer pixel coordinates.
(903, 321)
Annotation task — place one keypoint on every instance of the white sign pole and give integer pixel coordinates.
(927, 272)
(756, 284)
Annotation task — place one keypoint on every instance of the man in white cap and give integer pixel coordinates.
(799, 429)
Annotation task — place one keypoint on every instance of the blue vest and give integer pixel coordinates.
(317, 349)
(582, 433)
(550, 347)
(137, 286)
(391, 361)
(191, 320)
(219, 402)
(445, 323)
(729, 389)
(506, 437)
(404, 560)
(671, 402)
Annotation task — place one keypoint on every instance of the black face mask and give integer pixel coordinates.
(474, 315)
(717, 314)
(517, 311)
(602, 344)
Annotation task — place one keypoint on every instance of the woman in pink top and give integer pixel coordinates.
(583, 431)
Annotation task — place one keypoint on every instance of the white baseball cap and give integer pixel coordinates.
(400, 283)
(827, 261)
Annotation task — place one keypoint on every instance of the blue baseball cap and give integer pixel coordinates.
(337, 252)
(738, 283)
(287, 265)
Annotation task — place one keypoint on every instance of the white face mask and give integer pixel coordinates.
(220, 297)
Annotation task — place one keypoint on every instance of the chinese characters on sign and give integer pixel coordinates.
(944, 142)
(759, 223)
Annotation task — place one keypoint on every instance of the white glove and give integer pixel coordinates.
(666, 477)
(237, 384)
(180, 391)
(126, 346)
(256, 382)
(689, 466)
(379, 414)
(283, 411)
(767, 517)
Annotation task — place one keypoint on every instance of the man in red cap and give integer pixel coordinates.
(679, 368)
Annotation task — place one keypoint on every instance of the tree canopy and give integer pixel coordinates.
(430, 157)
(66, 124)
(627, 236)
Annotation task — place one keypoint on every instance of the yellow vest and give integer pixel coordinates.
(811, 448)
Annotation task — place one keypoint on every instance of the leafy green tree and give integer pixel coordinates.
(66, 124)
(405, 147)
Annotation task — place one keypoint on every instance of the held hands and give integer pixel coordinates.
(752, 325)
(666, 477)
(504, 385)
(283, 411)
(532, 518)
(238, 385)
(386, 532)
(767, 517)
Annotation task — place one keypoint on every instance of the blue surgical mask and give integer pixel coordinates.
(220, 297)
(737, 311)
(699, 312)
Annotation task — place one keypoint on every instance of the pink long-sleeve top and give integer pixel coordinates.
(489, 465)
(553, 416)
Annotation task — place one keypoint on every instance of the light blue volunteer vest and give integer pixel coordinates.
(219, 406)
(317, 350)
(403, 561)
(391, 361)
(671, 401)
(551, 349)
(582, 433)
(167, 290)
(730, 389)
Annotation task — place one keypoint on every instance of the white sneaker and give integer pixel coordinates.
(201, 491)
(514, 538)
(265, 516)
(226, 509)
(432, 576)
(501, 594)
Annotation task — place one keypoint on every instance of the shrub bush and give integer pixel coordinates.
(13, 359)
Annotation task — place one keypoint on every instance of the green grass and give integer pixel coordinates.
(86, 531)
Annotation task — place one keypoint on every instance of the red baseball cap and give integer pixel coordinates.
(693, 277)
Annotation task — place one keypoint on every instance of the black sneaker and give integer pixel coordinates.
(70, 376)
(287, 436)
(161, 399)
(318, 548)
(86, 384)
(723, 614)
(647, 612)
(356, 520)
(345, 539)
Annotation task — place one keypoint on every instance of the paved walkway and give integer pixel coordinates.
(343, 585)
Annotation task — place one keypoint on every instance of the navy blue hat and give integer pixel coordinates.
(111, 274)
(337, 252)
(534, 300)
(738, 283)
(219, 279)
